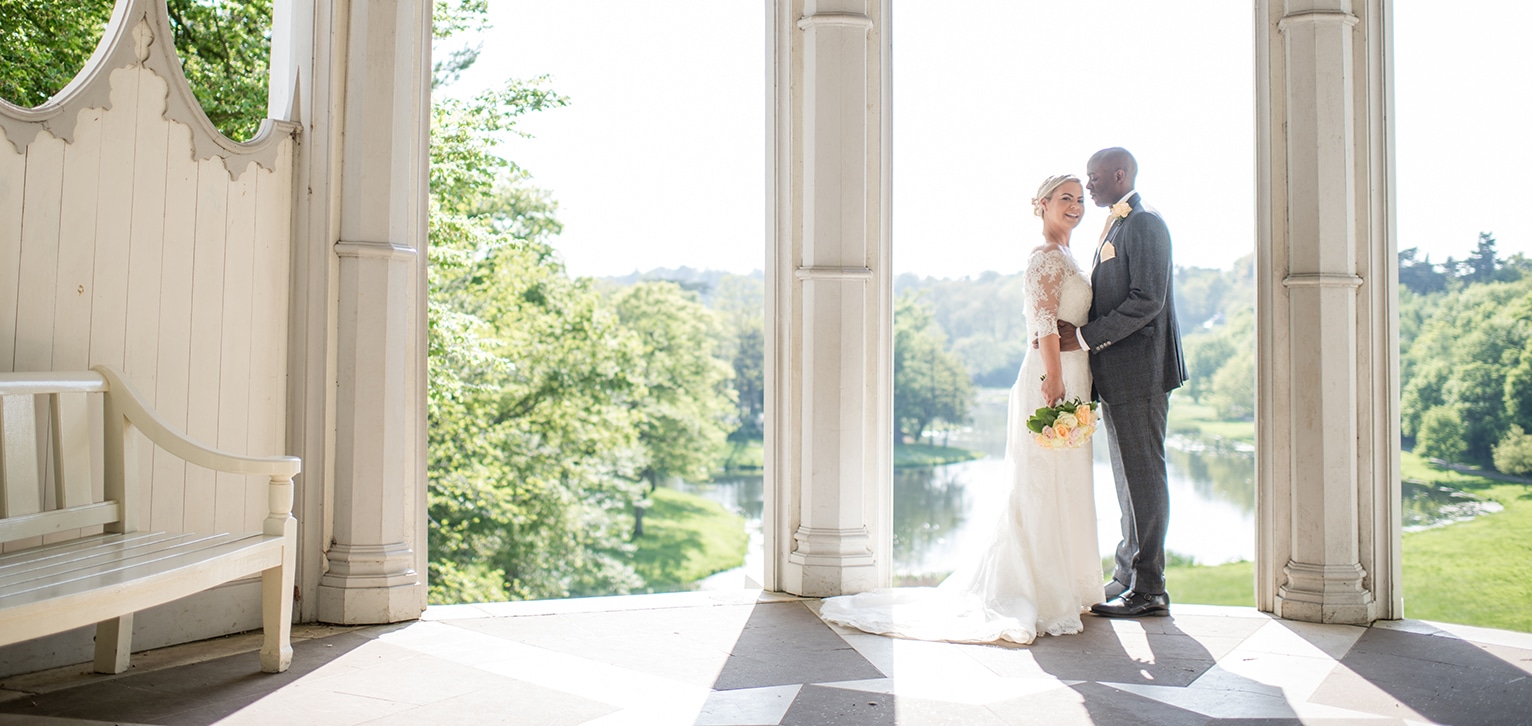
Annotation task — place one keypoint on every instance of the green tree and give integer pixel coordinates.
(1441, 434)
(225, 50)
(1513, 455)
(740, 302)
(1419, 276)
(930, 384)
(687, 405)
(43, 45)
(452, 19)
(533, 450)
(1233, 389)
(1518, 389)
(1468, 357)
(982, 318)
(750, 384)
(1423, 391)
(533, 446)
(1483, 263)
(224, 47)
(1205, 354)
(1478, 391)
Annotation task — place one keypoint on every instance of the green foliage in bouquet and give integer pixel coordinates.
(1048, 415)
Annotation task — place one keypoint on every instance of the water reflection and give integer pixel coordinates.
(1217, 471)
(944, 515)
(930, 505)
(1427, 506)
(742, 494)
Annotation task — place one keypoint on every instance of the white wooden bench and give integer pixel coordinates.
(102, 579)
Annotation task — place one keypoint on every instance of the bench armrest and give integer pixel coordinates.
(131, 405)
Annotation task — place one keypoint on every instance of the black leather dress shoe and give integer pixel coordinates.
(1113, 588)
(1134, 605)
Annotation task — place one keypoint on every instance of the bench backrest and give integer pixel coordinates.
(47, 485)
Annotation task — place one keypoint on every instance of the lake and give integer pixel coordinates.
(944, 514)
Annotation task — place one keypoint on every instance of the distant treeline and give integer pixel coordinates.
(1465, 342)
(1465, 332)
(984, 319)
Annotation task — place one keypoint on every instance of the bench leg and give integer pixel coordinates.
(114, 643)
(277, 619)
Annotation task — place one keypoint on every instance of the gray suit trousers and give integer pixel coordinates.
(1136, 439)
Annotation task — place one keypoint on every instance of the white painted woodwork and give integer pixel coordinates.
(104, 579)
(132, 234)
(1327, 288)
(305, 74)
(829, 288)
(376, 560)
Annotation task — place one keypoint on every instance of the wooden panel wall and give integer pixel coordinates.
(118, 247)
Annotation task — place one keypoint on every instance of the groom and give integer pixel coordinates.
(1135, 359)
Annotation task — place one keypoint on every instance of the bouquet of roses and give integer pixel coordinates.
(1068, 425)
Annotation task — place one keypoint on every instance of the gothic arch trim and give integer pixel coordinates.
(139, 35)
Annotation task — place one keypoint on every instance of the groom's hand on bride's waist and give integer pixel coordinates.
(1068, 340)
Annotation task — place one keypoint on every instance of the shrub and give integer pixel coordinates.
(1513, 455)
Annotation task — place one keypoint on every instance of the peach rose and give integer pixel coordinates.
(1084, 415)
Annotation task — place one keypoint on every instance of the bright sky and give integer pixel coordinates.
(659, 159)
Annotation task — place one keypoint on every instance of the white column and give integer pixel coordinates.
(357, 76)
(829, 298)
(1327, 421)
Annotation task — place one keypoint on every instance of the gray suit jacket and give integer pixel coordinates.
(1134, 340)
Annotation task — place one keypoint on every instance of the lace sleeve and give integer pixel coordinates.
(1044, 279)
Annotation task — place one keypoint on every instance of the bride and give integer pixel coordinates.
(1042, 567)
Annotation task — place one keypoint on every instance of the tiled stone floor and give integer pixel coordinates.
(746, 658)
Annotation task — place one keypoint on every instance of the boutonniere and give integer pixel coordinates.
(1121, 210)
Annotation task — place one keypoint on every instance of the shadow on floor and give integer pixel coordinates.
(196, 693)
(786, 644)
(1444, 679)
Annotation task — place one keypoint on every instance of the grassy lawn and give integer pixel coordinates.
(1231, 584)
(931, 455)
(1468, 573)
(687, 538)
(1187, 417)
(1471, 572)
(746, 456)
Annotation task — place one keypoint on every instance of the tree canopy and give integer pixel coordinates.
(930, 384)
(224, 47)
(44, 45)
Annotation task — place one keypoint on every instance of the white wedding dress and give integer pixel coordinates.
(1042, 568)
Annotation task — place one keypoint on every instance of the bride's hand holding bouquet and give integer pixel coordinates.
(1066, 425)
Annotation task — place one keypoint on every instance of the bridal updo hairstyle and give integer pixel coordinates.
(1045, 192)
